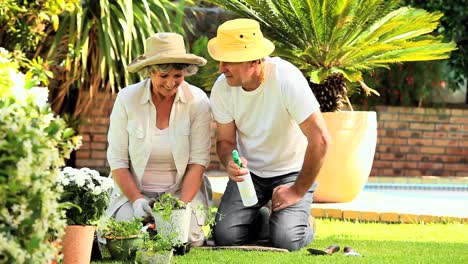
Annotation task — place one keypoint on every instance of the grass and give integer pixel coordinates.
(377, 242)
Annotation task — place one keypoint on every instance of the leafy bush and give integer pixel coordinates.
(113, 228)
(453, 27)
(206, 75)
(407, 84)
(33, 145)
(24, 23)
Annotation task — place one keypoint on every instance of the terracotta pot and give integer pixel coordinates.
(349, 159)
(77, 244)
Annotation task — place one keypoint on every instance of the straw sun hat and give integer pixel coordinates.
(164, 48)
(239, 40)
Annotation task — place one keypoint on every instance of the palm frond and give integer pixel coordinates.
(328, 37)
(101, 38)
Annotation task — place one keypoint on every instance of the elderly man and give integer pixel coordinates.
(265, 109)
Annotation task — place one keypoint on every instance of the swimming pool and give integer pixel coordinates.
(432, 191)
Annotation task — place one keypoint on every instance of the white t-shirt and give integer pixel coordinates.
(267, 118)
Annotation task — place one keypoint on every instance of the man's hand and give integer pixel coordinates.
(283, 196)
(234, 171)
(142, 208)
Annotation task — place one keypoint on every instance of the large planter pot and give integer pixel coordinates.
(77, 244)
(123, 248)
(178, 224)
(148, 257)
(349, 159)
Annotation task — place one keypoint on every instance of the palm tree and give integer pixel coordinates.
(94, 44)
(334, 41)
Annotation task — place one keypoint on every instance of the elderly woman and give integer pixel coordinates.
(159, 134)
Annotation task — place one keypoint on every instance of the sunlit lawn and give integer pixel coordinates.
(377, 242)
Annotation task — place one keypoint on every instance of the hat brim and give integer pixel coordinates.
(142, 61)
(230, 54)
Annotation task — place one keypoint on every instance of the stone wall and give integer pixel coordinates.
(411, 141)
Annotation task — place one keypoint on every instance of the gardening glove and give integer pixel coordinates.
(142, 209)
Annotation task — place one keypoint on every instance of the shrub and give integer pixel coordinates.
(33, 145)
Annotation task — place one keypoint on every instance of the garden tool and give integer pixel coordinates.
(328, 251)
(348, 251)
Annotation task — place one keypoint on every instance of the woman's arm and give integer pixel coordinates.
(192, 182)
(200, 143)
(117, 152)
(126, 183)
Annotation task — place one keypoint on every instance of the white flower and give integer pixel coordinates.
(40, 95)
(65, 182)
(68, 170)
(18, 90)
(97, 190)
(95, 174)
(80, 181)
(90, 185)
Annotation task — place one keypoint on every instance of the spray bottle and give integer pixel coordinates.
(246, 187)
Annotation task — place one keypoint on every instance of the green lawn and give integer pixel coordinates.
(377, 242)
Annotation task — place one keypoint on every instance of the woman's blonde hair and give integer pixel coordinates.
(187, 69)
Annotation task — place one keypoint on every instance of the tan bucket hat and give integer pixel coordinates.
(239, 40)
(165, 47)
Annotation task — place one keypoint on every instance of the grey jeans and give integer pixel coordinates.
(288, 228)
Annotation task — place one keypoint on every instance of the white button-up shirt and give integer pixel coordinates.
(132, 120)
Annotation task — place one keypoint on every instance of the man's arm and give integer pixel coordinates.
(225, 144)
(318, 139)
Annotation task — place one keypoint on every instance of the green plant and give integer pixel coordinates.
(120, 229)
(26, 23)
(155, 249)
(453, 27)
(210, 213)
(87, 191)
(33, 145)
(157, 243)
(95, 43)
(206, 75)
(407, 84)
(166, 204)
(333, 42)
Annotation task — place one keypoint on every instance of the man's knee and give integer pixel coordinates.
(224, 236)
(291, 239)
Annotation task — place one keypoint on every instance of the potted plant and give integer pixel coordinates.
(172, 218)
(122, 237)
(156, 249)
(85, 196)
(333, 42)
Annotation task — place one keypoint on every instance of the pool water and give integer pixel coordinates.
(432, 191)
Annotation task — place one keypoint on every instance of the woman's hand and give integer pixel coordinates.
(142, 208)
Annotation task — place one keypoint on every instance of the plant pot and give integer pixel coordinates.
(149, 257)
(178, 225)
(123, 248)
(77, 243)
(348, 162)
